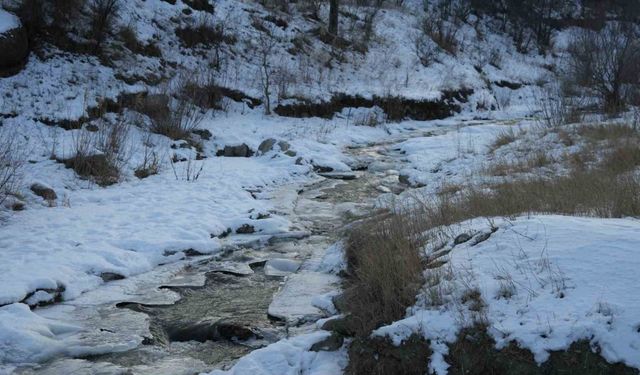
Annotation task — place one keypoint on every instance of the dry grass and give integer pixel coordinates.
(12, 158)
(504, 138)
(205, 33)
(105, 167)
(171, 117)
(385, 271)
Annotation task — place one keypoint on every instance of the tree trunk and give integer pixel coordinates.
(333, 17)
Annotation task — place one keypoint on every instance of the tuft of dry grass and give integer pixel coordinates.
(384, 271)
(504, 138)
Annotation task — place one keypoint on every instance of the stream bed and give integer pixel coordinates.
(205, 312)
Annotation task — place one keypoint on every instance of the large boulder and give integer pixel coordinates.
(266, 145)
(14, 44)
(242, 151)
(44, 191)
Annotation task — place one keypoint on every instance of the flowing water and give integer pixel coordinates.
(206, 312)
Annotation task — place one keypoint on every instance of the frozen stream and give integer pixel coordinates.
(207, 311)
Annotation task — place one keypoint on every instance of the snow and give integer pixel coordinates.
(569, 279)
(8, 21)
(290, 357)
(28, 337)
(130, 228)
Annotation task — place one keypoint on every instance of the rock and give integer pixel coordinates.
(284, 146)
(111, 276)
(462, 238)
(342, 326)
(290, 153)
(232, 331)
(207, 330)
(404, 179)
(14, 44)
(242, 151)
(266, 146)
(232, 268)
(330, 344)
(338, 175)
(480, 238)
(192, 253)
(18, 206)
(246, 229)
(299, 161)
(224, 234)
(203, 133)
(44, 191)
(322, 169)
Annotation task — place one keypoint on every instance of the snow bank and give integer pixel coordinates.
(290, 357)
(548, 281)
(131, 228)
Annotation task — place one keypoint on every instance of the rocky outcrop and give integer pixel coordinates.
(44, 191)
(242, 151)
(14, 44)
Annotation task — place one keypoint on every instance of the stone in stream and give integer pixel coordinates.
(232, 268)
(208, 331)
(338, 175)
(111, 276)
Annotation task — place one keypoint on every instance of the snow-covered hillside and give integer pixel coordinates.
(221, 146)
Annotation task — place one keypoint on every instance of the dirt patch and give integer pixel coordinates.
(378, 356)
(474, 353)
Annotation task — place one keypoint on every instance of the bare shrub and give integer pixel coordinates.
(205, 33)
(201, 90)
(265, 50)
(67, 11)
(31, 13)
(385, 269)
(557, 110)
(103, 15)
(11, 161)
(150, 163)
(504, 138)
(442, 32)
(623, 158)
(174, 117)
(607, 63)
(129, 37)
(188, 170)
(425, 48)
(101, 156)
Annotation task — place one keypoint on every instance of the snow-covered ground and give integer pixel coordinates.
(547, 282)
(567, 278)
(8, 21)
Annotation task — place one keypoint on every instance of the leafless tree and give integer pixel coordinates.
(607, 62)
(11, 161)
(334, 8)
(265, 49)
(103, 16)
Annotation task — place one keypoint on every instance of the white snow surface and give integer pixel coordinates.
(571, 278)
(8, 21)
(290, 357)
